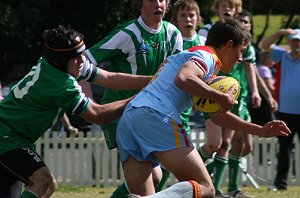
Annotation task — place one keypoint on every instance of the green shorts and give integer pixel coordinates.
(109, 131)
(240, 109)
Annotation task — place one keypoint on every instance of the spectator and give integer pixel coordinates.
(264, 113)
(137, 47)
(287, 92)
(159, 105)
(38, 100)
(225, 9)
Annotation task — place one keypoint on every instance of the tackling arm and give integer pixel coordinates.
(121, 81)
(106, 113)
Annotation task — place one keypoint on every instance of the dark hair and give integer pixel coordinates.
(136, 5)
(60, 45)
(224, 30)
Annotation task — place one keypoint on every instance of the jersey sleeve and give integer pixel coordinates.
(200, 63)
(249, 55)
(71, 98)
(277, 53)
(204, 30)
(109, 47)
(178, 47)
(89, 71)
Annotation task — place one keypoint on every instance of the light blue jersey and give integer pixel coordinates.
(163, 95)
(151, 122)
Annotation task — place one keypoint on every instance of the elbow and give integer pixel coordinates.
(180, 81)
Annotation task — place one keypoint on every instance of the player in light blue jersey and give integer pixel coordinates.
(158, 136)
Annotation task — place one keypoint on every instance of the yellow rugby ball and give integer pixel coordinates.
(220, 83)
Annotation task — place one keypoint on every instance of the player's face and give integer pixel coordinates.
(153, 11)
(245, 20)
(225, 10)
(187, 22)
(75, 66)
(294, 45)
(231, 56)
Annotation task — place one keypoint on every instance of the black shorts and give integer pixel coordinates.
(18, 164)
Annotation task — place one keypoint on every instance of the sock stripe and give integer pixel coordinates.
(233, 157)
(196, 189)
(203, 153)
(221, 159)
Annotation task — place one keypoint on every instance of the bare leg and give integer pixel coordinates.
(139, 176)
(241, 144)
(186, 164)
(42, 183)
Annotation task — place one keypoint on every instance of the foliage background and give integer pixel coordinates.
(22, 24)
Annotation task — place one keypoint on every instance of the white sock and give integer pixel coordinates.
(179, 190)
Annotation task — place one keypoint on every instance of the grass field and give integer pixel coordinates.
(91, 192)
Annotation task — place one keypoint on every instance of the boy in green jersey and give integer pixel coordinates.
(38, 100)
(137, 47)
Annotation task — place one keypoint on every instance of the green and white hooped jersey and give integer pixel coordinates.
(135, 48)
(37, 101)
(203, 31)
(195, 40)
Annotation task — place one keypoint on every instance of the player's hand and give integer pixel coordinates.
(273, 104)
(275, 128)
(255, 100)
(229, 101)
(73, 131)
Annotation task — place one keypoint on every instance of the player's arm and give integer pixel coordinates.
(251, 78)
(265, 91)
(112, 80)
(106, 113)
(121, 81)
(231, 121)
(189, 79)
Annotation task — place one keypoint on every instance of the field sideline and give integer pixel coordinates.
(91, 192)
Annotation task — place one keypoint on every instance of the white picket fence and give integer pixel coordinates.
(86, 161)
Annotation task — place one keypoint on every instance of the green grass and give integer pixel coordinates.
(91, 192)
(276, 22)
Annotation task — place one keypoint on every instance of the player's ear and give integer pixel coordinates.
(229, 44)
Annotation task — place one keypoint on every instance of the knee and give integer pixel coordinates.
(49, 183)
(52, 186)
(247, 149)
(43, 182)
(213, 147)
(225, 145)
(157, 175)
